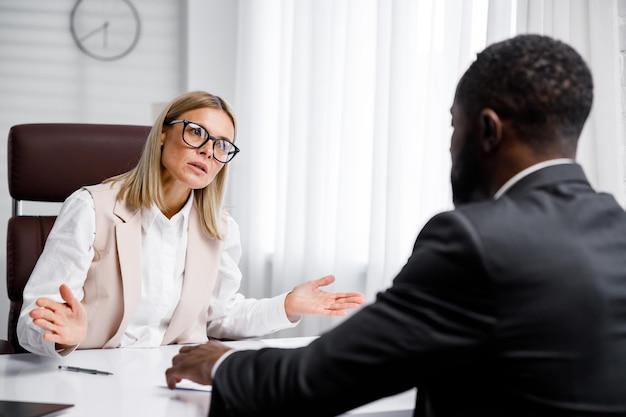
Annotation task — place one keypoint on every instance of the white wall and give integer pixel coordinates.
(622, 46)
(44, 77)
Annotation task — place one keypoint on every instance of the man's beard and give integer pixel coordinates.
(466, 179)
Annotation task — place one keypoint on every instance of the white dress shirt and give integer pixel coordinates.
(163, 253)
(68, 253)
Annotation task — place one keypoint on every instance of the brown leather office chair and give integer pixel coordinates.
(46, 163)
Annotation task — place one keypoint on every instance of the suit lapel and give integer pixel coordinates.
(128, 240)
(201, 266)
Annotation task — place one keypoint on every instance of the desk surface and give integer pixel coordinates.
(137, 386)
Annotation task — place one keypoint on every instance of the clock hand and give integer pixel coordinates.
(104, 27)
(105, 37)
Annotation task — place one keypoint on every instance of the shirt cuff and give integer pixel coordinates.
(219, 361)
(286, 322)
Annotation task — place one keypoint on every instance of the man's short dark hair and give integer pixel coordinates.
(539, 84)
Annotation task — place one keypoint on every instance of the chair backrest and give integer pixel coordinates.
(46, 163)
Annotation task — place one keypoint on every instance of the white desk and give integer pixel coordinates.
(137, 386)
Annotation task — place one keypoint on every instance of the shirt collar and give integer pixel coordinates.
(515, 178)
(149, 215)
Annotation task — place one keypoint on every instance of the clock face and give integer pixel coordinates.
(105, 29)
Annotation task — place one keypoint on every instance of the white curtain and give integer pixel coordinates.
(344, 125)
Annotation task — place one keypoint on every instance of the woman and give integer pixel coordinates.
(149, 257)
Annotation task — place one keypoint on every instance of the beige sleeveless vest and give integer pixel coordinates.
(113, 285)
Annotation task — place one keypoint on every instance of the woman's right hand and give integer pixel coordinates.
(65, 323)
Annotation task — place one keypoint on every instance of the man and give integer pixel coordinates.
(513, 304)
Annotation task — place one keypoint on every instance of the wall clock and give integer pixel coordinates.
(105, 29)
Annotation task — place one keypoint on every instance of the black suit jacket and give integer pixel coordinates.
(509, 307)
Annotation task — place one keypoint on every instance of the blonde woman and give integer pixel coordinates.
(149, 257)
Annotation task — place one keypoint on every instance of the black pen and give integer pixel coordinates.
(83, 370)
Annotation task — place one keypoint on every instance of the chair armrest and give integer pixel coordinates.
(6, 347)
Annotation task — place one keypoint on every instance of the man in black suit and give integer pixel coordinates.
(513, 304)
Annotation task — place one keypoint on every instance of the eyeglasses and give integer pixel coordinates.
(196, 136)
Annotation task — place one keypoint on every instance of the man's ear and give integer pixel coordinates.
(492, 130)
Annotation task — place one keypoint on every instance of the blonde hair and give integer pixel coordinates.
(141, 186)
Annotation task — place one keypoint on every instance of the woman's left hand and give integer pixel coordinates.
(308, 298)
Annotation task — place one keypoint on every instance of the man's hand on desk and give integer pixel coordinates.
(195, 363)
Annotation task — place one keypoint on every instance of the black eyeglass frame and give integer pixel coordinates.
(186, 122)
